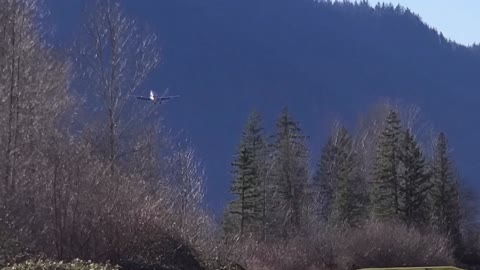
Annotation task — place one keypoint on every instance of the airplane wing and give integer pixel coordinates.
(143, 98)
(168, 97)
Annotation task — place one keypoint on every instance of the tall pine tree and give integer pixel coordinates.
(414, 183)
(446, 208)
(289, 176)
(245, 214)
(324, 180)
(386, 178)
(349, 203)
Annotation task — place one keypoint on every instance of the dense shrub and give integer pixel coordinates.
(12, 249)
(53, 265)
(285, 255)
(317, 251)
(469, 252)
(374, 245)
(391, 245)
(165, 252)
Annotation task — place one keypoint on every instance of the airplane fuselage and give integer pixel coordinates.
(156, 99)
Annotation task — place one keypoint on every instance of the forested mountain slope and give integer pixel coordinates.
(321, 59)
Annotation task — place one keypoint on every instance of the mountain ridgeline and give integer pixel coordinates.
(319, 58)
(306, 45)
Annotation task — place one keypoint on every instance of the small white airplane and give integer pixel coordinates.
(155, 98)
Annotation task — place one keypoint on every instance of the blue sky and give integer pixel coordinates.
(456, 19)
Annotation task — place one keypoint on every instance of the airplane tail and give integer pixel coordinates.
(166, 92)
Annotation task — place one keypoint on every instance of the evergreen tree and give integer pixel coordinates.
(414, 183)
(444, 194)
(245, 214)
(349, 203)
(289, 176)
(386, 178)
(324, 180)
(338, 178)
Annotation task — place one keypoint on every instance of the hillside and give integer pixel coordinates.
(323, 60)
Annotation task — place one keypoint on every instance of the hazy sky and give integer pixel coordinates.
(458, 20)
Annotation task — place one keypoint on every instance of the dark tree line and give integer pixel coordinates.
(273, 185)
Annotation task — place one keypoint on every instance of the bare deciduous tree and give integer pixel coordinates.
(117, 57)
(33, 82)
(90, 191)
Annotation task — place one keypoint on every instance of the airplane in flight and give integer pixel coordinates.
(157, 99)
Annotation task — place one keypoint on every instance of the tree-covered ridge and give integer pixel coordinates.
(304, 38)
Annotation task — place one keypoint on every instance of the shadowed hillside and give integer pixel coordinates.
(321, 59)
